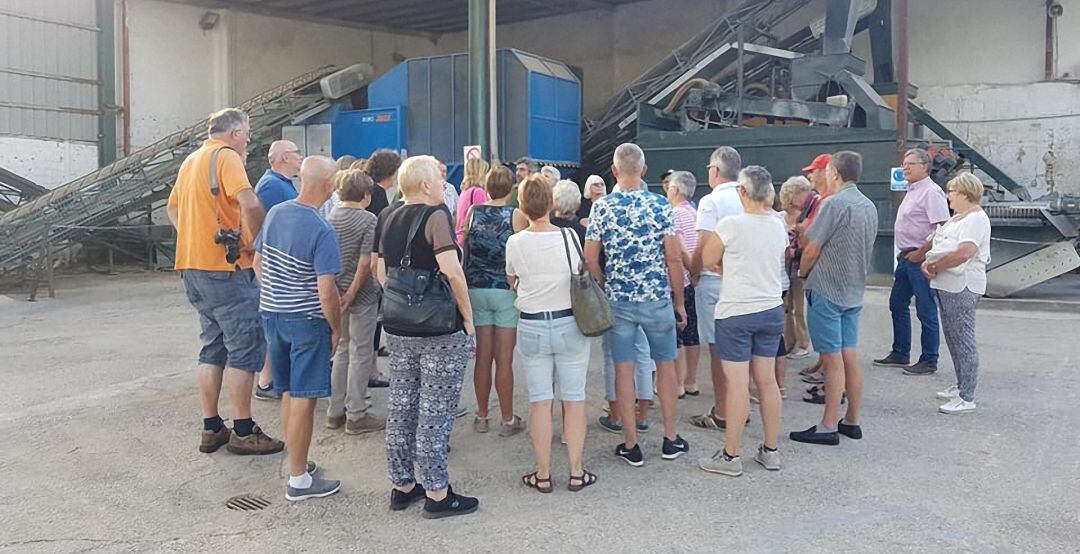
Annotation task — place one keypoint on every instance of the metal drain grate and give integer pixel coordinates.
(247, 503)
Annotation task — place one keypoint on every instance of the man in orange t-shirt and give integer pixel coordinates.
(222, 290)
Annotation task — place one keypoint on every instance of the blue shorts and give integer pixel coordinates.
(228, 307)
(299, 347)
(706, 295)
(552, 351)
(832, 327)
(742, 336)
(656, 319)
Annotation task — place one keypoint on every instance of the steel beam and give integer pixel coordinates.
(106, 50)
(480, 44)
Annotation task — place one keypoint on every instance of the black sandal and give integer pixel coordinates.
(533, 481)
(586, 479)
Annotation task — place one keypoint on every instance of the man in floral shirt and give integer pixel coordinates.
(636, 230)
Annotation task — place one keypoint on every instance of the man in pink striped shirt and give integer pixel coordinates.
(679, 186)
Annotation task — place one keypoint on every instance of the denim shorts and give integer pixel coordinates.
(299, 348)
(493, 307)
(552, 351)
(655, 318)
(706, 295)
(643, 369)
(832, 327)
(742, 336)
(228, 307)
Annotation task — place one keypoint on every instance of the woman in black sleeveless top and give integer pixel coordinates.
(424, 370)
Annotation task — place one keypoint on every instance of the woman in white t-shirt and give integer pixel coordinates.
(956, 266)
(749, 316)
(550, 348)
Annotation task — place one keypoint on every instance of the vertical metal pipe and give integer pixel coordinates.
(479, 75)
(125, 45)
(901, 76)
(740, 75)
(493, 77)
(1049, 64)
(106, 56)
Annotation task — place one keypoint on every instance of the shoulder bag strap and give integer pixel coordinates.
(406, 257)
(566, 248)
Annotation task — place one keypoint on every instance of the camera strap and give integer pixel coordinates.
(215, 189)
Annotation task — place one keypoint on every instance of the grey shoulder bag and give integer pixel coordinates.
(590, 305)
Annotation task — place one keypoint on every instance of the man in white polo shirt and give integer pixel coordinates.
(723, 201)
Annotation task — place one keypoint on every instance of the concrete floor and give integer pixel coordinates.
(100, 416)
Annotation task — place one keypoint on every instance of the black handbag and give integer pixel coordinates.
(418, 302)
(592, 310)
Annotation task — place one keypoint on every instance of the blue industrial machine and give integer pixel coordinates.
(421, 106)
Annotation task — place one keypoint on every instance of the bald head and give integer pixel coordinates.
(284, 157)
(316, 180)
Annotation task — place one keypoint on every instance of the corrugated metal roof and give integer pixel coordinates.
(418, 16)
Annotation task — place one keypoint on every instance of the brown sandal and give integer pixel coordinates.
(586, 479)
(533, 481)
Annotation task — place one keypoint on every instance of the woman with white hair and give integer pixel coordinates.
(680, 189)
(551, 172)
(793, 195)
(425, 371)
(567, 201)
(595, 189)
(749, 317)
(956, 267)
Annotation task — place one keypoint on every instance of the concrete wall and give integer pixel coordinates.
(980, 65)
(180, 73)
(46, 162)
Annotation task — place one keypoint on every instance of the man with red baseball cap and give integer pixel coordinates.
(815, 172)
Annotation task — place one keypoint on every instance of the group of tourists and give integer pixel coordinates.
(299, 287)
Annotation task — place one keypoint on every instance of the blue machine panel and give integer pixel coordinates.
(361, 132)
(538, 103)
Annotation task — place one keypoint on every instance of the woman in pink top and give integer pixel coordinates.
(679, 188)
(472, 193)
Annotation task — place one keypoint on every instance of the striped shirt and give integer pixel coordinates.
(685, 223)
(845, 227)
(297, 246)
(355, 228)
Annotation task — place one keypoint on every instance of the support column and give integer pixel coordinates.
(106, 74)
(480, 74)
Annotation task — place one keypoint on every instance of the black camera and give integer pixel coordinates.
(230, 239)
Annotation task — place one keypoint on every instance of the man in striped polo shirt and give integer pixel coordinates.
(297, 261)
(835, 264)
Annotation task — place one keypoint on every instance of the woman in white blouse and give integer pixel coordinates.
(551, 351)
(956, 266)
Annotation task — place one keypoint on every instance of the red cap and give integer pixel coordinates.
(819, 163)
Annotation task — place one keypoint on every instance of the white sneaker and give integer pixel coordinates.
(957, 406)
(949, 393)
(798, 354)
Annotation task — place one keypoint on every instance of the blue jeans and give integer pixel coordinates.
(299, 347)
(909, 281)
(655, 318)
(643, 373)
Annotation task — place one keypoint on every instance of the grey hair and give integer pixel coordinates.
(849, 165)
(226, 120)
(791, 187)
(629, 159)
(530, 163)
(726, 160)
(757, 182)
(566, 197)
(684, 182)
(923, 155)
(552, 172)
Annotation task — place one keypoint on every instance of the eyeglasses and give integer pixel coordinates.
(912, 164)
